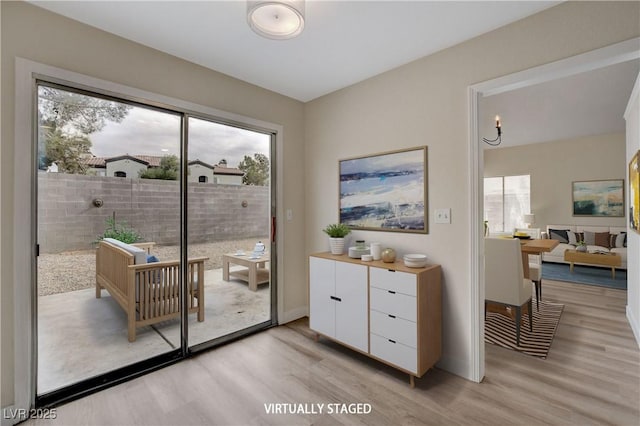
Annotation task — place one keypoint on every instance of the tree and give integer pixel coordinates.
(168, 169)
(256, 170)
(67, 152)
(78, 113)
(66, 121)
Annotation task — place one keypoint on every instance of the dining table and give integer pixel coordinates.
(535, 246)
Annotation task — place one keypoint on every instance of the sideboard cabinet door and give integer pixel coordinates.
(352, 310)
(322, 286)
(338, 297)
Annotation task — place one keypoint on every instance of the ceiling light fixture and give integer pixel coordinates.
(277, 20)
(498, 140)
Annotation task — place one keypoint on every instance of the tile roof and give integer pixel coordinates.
(154, 161)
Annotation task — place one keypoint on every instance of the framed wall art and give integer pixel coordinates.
(385, 192)
(598, 198)
(634, 193)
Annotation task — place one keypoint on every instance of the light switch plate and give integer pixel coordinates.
(443, 215)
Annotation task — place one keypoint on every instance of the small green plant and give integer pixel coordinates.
(120, 232)
(337, 230)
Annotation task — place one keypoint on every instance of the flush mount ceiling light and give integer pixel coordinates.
(277, 20)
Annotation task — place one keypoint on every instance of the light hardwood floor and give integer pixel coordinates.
(591, 376)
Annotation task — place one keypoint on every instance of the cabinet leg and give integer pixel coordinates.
(412, 381)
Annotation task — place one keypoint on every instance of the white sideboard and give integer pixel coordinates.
(385, 310)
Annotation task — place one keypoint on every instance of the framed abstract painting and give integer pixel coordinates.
(598, 198)
(634, 193)
(385, 192)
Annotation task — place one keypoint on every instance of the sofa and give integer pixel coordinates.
(148, 290)
(598, 238)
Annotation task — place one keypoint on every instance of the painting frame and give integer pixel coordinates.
(385, 191)
(598, 198)
(634, 192)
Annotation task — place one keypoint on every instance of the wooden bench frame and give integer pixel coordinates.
(149, 292)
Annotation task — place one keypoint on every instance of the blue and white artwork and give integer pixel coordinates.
(385, 192)
(599, 198)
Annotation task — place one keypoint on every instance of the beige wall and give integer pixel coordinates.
(553, 166)
(426, 103)
(422, 103)
(67, 44)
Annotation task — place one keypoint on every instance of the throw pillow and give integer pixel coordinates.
(618, 240)
(572, 238)
(559, 234)
(589, 238)
(602, 239)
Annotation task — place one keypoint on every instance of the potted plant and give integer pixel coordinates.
(581, 246)
(336, 233)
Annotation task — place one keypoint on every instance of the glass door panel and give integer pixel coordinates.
(107, 171)
(229, 216)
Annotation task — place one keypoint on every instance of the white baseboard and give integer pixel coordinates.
(635, 325)
(455, 366)
(293, 315)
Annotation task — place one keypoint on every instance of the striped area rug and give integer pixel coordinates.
(500, 330)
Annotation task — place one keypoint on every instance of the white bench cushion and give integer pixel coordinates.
(139, 255)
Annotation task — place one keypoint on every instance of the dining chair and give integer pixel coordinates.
(535, 264)
(505, 283)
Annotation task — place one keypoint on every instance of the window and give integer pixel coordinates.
(202, 179)
(506, 200)
(120, 174)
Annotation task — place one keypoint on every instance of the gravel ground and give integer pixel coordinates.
(75, 270)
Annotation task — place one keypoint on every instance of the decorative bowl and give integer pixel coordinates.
(415, 260)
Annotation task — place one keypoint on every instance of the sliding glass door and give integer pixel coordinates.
(229, 211)
(134, 230)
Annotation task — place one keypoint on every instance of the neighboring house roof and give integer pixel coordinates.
(154, 161)
(201, 163)
(127, 157)
(100, 162)
(220, 170)
(97, 162)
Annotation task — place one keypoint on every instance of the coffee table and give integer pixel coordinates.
(254, 272)
(604, 259)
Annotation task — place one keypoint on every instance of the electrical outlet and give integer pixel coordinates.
(443, 215)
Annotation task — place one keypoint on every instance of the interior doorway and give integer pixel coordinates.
(618, 53)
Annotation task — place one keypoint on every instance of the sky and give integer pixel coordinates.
(150, 132)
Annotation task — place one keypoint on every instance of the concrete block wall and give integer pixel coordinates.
(68, 220)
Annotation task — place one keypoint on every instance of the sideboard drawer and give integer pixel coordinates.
(400, 282)
(396, 353)
(397, 329)
(397, 304)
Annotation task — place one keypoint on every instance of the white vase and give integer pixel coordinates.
(336, 245)
(376, 251)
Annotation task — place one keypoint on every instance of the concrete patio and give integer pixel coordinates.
(80, 336)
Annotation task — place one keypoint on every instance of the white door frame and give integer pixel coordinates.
(24, 198)
(599, 58)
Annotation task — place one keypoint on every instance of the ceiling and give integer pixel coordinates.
(343, 42)
(591, 103)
